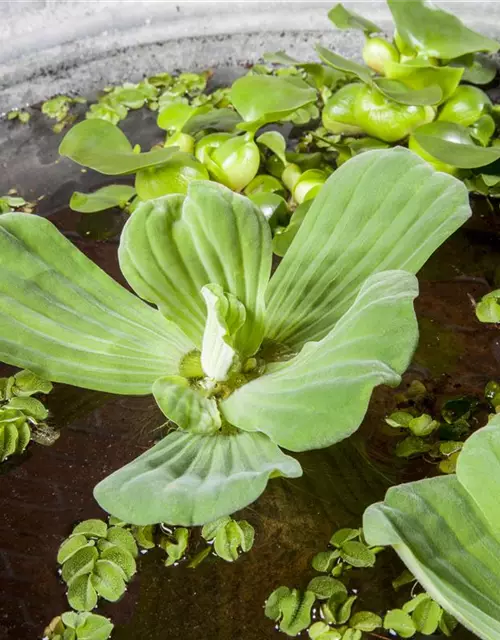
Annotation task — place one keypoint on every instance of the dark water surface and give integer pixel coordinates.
(46, 491)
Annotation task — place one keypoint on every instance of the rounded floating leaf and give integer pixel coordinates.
(81, 594)
(108, 581)
(91, 528)
(124, 539)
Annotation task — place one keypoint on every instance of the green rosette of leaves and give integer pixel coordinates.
(79, 626)
(242, 363)
(447, 531)
(97, 561)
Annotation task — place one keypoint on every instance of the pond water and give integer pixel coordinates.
(46, 491)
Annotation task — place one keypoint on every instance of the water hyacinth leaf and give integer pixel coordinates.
(225, 316)
(274, 141)
(269, 98)
(92, 528)
(371, 344)
(447, 530)
(272, 206)
(81, 594)
(104, 147)
(344, 19)
(399, 92)
(429, 30)
(212, 235)
(123, 538)
(385, 209)
(215, 120)
(189, 479)
(419, 74)
(114, 195)
(344, 64)
(185, 406)
(174, 115)
(452, 143)
(107, 580)
(173, 176)
(58, 307)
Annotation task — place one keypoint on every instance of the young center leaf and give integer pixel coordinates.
(191, 479)
(65, 319)
(173, 246)
(382, 210)
(447, 531)
(320, 396)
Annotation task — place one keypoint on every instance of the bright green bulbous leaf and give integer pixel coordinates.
(477, 68)
(186, 406)
(488, 308)
(265, 99)
(321, 396)
(384, 209)
(68, 321)
(465, 106)
(424, 27)
(175, 115)
(211, 236)
(190, 480)
(419, 74)
(274, 141)
(225, 317)
(447, 531)
(173, 176)
(452, 144)
(104, 147)
(234, 163)
(338, 113)
(114, 195)
(344, 19)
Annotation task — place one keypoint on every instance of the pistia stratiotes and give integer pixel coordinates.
(243, 364)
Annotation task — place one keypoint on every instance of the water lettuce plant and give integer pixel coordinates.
(243, 364)
(446, 530)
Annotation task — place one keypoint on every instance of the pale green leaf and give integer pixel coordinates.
(324, 587)
(344, 611)
(92, 528)
(28, 383)
(189, 479)
(104, 147)
(225, 316)
(70, 546)
(228, 540)
(424, 27)
(123, 538)
(365, 621)
(488, 308)
(209, 530)
(342, 536)
(400, 622)
(321, 631)
(81, 594)
(419, 74)
(8, 440)
(186, 406)
(357, 554)
(426, 616)
(274, 141)
(23, 437)
(248, 535)
(80, 563)
(172, 247)
(296, 611)
(114, 195)
(345, 19)
(329, 384)
(93, 627)
(384, 209)
(447, 531)
(108, 581)
(57, 308)
(29, 406)
(122, 558)
(175, 550)
(262, 99)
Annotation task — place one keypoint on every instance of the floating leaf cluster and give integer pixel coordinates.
(97, 560)
(20, 412)
(79, 626)
(328, 610)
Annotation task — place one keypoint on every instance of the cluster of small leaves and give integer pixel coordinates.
(439, 438)
(13, 202)
(153, 93)
(327, 597)
(420, 614)
(59, 109)
(78, 626)
(97, 560)
(294, 610)
(20, 412)
(20, 115)
(229, 537)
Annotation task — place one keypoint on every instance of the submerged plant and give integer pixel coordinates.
(447, 532)
(242, 364)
